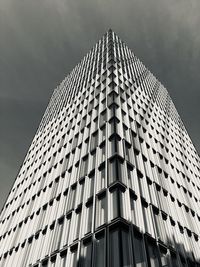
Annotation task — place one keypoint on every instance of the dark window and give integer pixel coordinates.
(139, 251)
(174, 260)
(115, 170)
(153, 255)
(103, 152)
(93, 155)
(103, 130)
(84, 166)
(91, 185)
(89, 218)
(102, 176)
(100, 260)
(78, 223)
(115, 249)
(71, 198)
(86, 254)
(94, 141)
(101, 210)
(103, 117)
(164, 258)
(120, 248)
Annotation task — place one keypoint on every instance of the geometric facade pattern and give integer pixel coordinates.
(111, 177)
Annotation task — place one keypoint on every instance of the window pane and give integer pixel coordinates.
(153, 255)
(139, 252)
(120, 248)
(78, 222)
(71, 199)
(126, 246)
(114, 249)
(91, 186)
(94, 141)
(115, 203)
(174, 260)
(102, 117)
(112, 171)
(103, 152)
(82, 185)
(101, 211)
(103, 132)
(100, 252)
(86, 255)
(102, 177)
(164, 259)
(93, 155)
(84, 166)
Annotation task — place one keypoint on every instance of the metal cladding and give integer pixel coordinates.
(111, 177)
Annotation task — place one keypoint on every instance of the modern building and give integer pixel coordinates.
(111, 178)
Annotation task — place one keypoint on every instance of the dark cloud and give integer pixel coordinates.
(42, 40)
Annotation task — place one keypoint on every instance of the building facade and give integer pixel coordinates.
(111, 178)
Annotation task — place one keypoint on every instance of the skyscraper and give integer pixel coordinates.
(111, 177)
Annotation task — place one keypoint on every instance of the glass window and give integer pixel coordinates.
(112, 170)
(103, 152)
(75, 141)
(153, 255)
(101, 210)
(100, 255)
(133, 198)
(164, 258)
(78, 223)
(130, 178)
(114, 146)
(112, 126)
(115, 203)
(58, 235)
(120, 248)
(94, 141)
(103, 132)
(174, 260)
(91, 105)
(139, 251)
(86, 254)
(129, 153)
(65, 163)
(66, 231)
(83, 122)
(103, 103)
(103, 116)
(89, 217)
(126, 247)
(115, 170)
(86, 145)
(183, 261)
(125, 130)
(114, 249)
(93, 155)
(71, 198)
(91, 186)
(82, 186)
(102, 176)
(84, 166)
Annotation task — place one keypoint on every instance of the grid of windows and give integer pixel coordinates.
(110, 169)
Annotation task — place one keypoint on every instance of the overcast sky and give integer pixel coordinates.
(42, 40)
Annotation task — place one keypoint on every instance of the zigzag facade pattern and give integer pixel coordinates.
(111, 177)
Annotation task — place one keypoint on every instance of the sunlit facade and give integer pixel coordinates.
(111, 178)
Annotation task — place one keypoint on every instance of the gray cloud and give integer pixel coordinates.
(42, 40)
